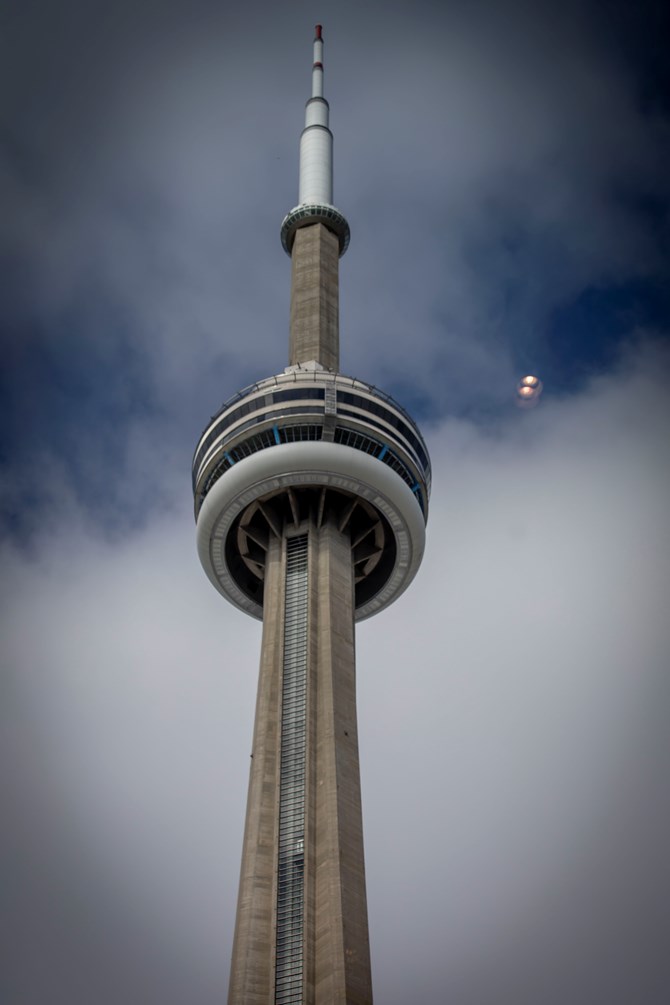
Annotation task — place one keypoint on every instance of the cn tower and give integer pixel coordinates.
(311, 499)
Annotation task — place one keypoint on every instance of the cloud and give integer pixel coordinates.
(120, 771)
(503, 173)
(512, 746)
(501, 160)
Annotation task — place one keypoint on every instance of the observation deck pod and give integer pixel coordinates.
(307, 216)
(297, 447)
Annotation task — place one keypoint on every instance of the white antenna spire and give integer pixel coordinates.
(316, 141)
(315, 192)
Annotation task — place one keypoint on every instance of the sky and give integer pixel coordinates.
(504, 169)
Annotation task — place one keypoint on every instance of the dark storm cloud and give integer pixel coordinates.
(505, 160)
(526, 135)
(504, 171)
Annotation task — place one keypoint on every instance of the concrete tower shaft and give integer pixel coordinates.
(301, 931)
(315, 312)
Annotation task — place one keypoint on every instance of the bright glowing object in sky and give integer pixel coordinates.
(528, 390)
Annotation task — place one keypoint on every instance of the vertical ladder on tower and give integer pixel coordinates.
(330, 416)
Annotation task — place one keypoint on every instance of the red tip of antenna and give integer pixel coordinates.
(318, 31)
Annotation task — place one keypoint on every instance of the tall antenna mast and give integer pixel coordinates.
(315, 234)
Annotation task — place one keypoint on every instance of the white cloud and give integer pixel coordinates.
(505, 702)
